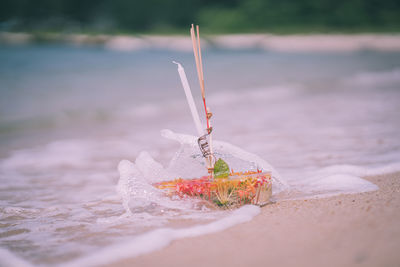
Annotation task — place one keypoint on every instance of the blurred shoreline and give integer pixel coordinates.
(267, 42)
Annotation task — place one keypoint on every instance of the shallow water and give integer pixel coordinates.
(69, 115)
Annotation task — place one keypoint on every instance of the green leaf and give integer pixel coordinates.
(221, 169)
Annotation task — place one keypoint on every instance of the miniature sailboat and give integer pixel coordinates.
(221, 186)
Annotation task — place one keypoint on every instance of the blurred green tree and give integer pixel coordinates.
(214, 15)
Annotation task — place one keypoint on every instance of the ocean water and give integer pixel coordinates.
(80, 140)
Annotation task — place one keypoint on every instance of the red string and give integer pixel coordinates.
(205, 108)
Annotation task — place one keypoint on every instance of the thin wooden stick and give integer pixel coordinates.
(199, 67)
(202, 75)
(200, 61)
(196, 57)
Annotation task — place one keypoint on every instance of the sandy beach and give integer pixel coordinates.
(262, 41)
(346, 230)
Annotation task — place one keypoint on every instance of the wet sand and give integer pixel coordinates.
(347, 230)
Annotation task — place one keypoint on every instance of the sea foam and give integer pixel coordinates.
(160, 238)
(8, 259)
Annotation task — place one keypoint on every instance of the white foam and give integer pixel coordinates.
(8, 259)
(136, 190)
(133, 185)
(360, 171)
(373, 79)
(53, 155)
(335, 180)
(160, 238)
(151, 169)
(331, 185)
